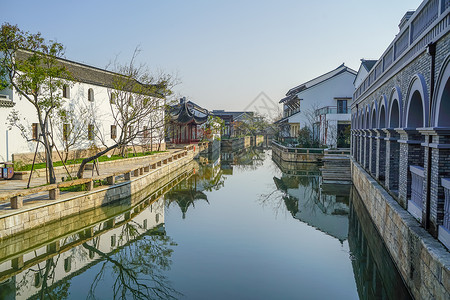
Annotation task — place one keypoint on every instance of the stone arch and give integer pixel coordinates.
(367, 115)
(360, 125)
(382, 112)
(395, 108)
(373, 116)
(416, 113)
(441, 101)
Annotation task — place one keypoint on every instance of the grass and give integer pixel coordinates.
(19, 167)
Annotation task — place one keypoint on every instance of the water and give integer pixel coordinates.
(243, 227)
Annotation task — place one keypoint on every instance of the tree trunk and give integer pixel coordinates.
(48, 151)
(91, 158)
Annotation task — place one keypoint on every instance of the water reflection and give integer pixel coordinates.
(324, 207)
(124, 256)
(327, 239)
(376, 274)
(338, 211)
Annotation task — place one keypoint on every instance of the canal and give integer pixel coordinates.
(239, 227)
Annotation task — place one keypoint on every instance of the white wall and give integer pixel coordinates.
(322, 95)
(100, 108)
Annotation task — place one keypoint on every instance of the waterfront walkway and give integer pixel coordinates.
(8, 187)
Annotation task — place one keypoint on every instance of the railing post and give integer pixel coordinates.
(111, 180)
(53, 194)
(16, 202)
(89, 185)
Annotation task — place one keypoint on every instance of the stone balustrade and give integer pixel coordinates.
(16, 198)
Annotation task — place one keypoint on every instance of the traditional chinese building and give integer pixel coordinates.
(185, 120)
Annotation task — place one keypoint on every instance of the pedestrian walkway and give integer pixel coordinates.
(41, 198)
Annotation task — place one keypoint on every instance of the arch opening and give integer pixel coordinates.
(394, 118)
(382, 122)
(444, 107)
(374, 119)
(415, 111)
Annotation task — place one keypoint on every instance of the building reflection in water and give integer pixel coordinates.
(130, 251)
(376, 274)
(243, 159)
(206, 176)
(338, 211)
(324, 207)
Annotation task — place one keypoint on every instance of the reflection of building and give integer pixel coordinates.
(206, 177)
(57, 262)
(326, 210)
(185, 118)
(376, 275)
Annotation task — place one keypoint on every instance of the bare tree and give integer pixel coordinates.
(69, 125)
(137, 102)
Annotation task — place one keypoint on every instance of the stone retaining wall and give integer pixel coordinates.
(25, 219)
(30, 240)
(296, 154)
(423, 262)
(236, 143)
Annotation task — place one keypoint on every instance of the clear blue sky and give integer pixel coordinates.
(225, 52)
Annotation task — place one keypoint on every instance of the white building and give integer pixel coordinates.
(91, 90)
(321, 104)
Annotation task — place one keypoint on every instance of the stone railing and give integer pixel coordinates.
(444, 229)
(416, 203)
(332, 110)
(428, 23)
(16, 197)
(293, 154)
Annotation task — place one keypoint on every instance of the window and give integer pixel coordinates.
(113, 131)
(341, 106)
(113, 240)
(91, 95)
(91, 132)
(35, 131)
(66, 91)
(112, 98)
(66, 129)
(37, 280)
(130, 101)
(67, 264)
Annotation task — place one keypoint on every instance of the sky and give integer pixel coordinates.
(226, 54)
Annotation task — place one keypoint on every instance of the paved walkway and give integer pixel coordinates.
(9, 186)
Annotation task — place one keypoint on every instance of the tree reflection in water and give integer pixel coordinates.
(137, 268)
(134, 270)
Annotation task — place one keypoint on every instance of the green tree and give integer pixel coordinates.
(29, 65)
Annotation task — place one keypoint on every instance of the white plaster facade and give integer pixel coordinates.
(320, 94)
(12, 142)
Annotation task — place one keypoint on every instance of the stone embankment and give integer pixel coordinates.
(292, 154)
(50, 204)
(423, 262)
(236, 143)
(28, 248)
